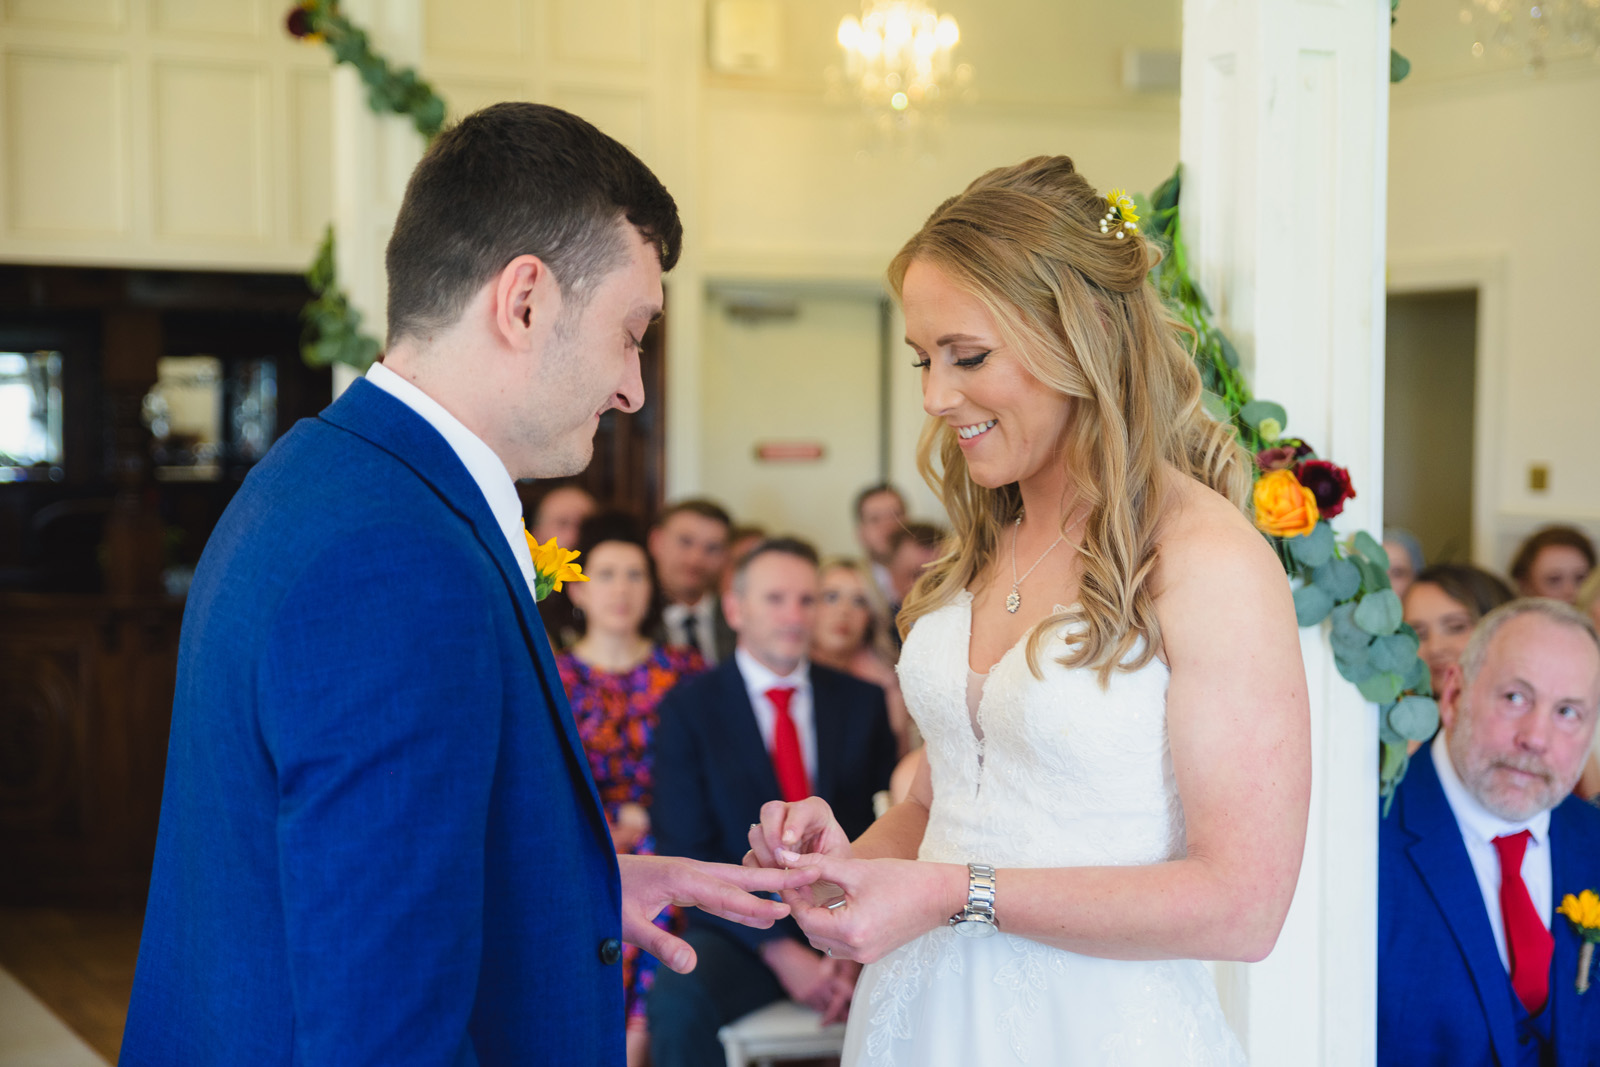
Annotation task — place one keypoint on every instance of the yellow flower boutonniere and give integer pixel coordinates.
(1583, 911)
(552, 565)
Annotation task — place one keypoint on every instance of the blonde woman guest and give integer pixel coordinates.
(851, 633)
(1105, 665)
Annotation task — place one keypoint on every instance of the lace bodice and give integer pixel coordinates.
(1067, 774)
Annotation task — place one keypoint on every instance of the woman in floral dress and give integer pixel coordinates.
(615, 677)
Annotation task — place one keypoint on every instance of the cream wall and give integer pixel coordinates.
(1491, 172)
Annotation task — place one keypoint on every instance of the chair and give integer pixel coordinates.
(782, 1030)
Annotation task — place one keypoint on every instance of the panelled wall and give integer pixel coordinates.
(160, 132)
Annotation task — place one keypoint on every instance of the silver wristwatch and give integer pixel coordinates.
(977, 918)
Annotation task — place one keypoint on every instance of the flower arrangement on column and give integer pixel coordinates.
(1296, 492)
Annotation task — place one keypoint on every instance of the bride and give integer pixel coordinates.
(1104, 663)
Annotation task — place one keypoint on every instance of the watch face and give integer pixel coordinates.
(974, 928)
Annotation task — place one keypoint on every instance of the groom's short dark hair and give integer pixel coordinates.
(518, 179)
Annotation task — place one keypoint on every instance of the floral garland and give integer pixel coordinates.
(1295, 495)
(332, 331)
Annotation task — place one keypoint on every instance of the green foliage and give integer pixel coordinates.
(1311, 605)
(1399, 65)
(332, 328)
(402, 92)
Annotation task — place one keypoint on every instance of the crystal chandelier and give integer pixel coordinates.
(897, 58)
(1538, 31)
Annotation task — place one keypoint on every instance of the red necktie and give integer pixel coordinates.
(1528, 943)
(787, 759)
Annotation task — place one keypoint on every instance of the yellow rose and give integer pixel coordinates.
(1284, 507)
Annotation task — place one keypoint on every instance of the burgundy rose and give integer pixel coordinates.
(299, 22)
(1329, 483)
(1276, 459)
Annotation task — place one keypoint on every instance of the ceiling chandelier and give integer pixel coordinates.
(897, 58)
(1538, 31)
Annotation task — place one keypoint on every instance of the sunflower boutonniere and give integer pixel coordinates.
(552, 565)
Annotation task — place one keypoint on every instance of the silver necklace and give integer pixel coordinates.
(1014, 600)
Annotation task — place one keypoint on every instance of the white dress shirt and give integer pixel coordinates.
(705, 622)
(486, 469)
(1479, 828)
(757, 680)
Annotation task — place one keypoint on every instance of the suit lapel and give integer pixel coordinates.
(1574, 867)
(744, 735)
(1440, 859)
(374, 415)
(828, 720)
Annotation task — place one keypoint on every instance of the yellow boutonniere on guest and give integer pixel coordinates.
(1583, 911)
(552, 565)
(1284, 507)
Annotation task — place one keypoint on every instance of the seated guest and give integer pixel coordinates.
(1443, 604)
(1483, 841)
(690, 546)
(559, 514)
(880, 511)
(1405, 558)
(1588, 602)
(851, 634)
(615, 677)
(765, 725)
(912, 548)
(1553, 562)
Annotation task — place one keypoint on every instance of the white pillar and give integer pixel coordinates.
(1284, 145)
(373, 156)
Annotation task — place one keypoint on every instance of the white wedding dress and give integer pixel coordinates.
(1066, 774)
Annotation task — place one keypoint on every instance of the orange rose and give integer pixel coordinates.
(1284, 507)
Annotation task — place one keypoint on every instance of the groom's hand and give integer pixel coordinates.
(806, 826)
(650, 883)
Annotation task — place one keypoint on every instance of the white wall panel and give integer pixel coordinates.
(311, 154)
(463, 96)
(474, 30)
(65, 177)
(210, 125)
(228, 18)
(77, 14)
(600, 31)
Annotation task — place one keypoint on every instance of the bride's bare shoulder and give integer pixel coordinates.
(1204, 538)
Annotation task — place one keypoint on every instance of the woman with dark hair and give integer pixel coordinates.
(1443, 604)
(1553, 562)
(615, 677)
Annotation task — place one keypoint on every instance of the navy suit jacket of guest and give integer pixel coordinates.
(713, 772)
(380, 842)
(1443, 995)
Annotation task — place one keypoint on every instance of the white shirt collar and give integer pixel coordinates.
(758, 677)
(494, 481)
(1474, 819)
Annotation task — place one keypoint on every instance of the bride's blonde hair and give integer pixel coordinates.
(1077, 307)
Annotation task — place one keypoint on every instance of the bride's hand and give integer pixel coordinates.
(886, 903)
(806, 826)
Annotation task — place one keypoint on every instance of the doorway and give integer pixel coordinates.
(1430, 397)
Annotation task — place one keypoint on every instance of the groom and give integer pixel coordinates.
(380, 843)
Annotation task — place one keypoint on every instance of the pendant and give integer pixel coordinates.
(1013, 601)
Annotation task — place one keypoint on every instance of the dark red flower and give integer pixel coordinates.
(299, 22)
(1276, 459)
(1328, 482)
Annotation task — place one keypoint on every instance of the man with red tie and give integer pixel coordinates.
(765, 725)
(1475, 967)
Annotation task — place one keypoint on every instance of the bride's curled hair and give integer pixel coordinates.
(1077, 307)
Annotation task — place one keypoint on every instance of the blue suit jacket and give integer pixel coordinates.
(1443, 995)
(713, 772)
(380, 842)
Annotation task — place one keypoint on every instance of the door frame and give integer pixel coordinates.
(1484, 272)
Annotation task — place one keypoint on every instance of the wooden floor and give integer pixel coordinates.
(79, 962)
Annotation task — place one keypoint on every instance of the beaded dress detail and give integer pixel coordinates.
(1051, 773)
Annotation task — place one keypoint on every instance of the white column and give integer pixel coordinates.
(1284, 145)
(373, 156)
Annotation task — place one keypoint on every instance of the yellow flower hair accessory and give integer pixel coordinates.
(552, 565)
(1122, 213)
(1583, 911)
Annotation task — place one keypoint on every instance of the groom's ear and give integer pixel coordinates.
(525, 301)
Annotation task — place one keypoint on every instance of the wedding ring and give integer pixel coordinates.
(836, 905)
(829, 952)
